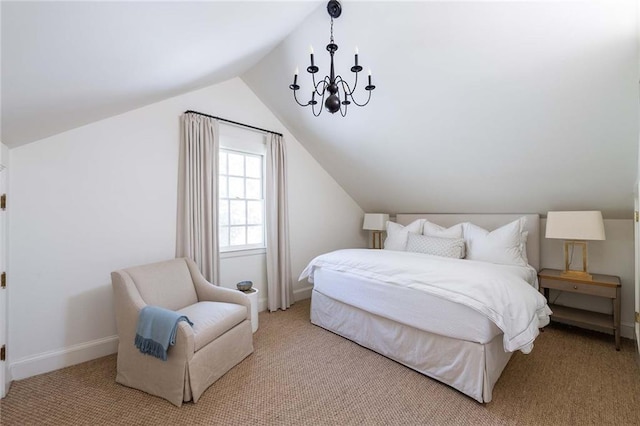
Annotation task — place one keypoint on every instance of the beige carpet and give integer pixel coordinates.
(300, 374)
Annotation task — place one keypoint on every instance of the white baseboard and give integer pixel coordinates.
(57, 359)
(627, 329)
(298, 295)
(262, 304)
(302, 293)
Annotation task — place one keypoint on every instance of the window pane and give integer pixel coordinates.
(223, 213)
(254, 189)
(236, 187)
(254, 235)
(237, 236)
(222, 161)
(254, 212)
(223, 236)
(254, 166)
(236, 164)
(223, 187)
(240, 197)
(238, 212)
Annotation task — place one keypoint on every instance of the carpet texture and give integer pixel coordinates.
(301, 374)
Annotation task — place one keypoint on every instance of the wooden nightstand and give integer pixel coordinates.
(602, 285)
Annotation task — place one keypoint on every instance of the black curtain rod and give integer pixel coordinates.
(233, 122)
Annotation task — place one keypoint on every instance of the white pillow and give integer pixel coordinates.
(397, 234)
(445, 247)
(523, 239)
(504, 245)
(430, 229)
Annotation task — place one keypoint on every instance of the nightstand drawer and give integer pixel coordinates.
(592, 289)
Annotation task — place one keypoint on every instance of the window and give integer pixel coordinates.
(241, 200)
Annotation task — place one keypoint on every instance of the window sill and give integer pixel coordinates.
(242, 253)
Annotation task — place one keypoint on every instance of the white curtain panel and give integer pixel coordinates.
(279, 279)
(197, 224)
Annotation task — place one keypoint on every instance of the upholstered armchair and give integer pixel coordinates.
(220, 338)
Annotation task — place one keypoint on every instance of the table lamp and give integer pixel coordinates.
(575, 228)
(376, 222)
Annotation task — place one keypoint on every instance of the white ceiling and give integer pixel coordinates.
(66, 64)
(479, 107)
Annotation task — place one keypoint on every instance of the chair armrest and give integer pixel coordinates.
(185, 341)
(209, 292)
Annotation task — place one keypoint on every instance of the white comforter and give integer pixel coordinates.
(498, 291)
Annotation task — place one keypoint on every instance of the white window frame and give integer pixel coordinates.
(247, 248)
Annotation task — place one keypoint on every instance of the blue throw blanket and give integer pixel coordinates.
(157, 328)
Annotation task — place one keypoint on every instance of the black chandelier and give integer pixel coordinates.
(334, 84)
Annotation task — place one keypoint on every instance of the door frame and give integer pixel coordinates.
(636, 229)
(4, 376)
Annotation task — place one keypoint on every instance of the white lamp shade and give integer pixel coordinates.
(587, 225)
(375, 221)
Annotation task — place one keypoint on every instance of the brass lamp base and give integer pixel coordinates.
(571, 273)
(376, 239)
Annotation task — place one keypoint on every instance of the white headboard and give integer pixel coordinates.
(488, 222)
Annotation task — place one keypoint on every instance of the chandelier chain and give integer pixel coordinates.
(332, 41)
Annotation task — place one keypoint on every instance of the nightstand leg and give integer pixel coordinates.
(616, 318)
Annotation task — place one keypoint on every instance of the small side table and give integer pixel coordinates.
(602, 285)
(253, 298)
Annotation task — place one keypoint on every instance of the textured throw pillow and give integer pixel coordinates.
(397, 235)
(430, 229)
(445, 247)
(504, 245)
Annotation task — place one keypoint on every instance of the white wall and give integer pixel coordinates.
(103, 197)
(613, 256)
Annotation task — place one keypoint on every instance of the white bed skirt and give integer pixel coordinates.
(472, 368)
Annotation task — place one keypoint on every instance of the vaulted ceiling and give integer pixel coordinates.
(66, 64)
(479, 106)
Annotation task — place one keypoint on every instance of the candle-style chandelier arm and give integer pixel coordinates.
(348, 91)
(297, 101)
(312, 101)
(323, 83)
(349, 94)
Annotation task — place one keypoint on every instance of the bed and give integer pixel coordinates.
(372, 298)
